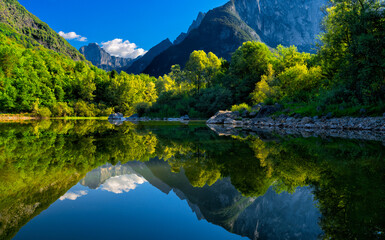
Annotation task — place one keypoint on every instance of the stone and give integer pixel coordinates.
(229, 121)
(245, 113)
(185, 118)
(383, 115)
(253, 114)
(267, 110)
(306, 120)
(329, 115)
(116, 116)
(362, 111)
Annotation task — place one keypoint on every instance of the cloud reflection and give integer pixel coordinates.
(123, 183)
(73, 195)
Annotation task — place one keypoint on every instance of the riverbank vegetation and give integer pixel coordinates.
(345, 77)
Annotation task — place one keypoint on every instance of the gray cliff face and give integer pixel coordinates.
(286, 22)
(102, 59)
(280, 216)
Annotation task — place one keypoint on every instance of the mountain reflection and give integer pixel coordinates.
(261, 186)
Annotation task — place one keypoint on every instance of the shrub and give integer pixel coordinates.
(62, 109)
(83, 109)
(241, 108)
(43, 112)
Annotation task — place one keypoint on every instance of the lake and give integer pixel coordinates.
(90, 179)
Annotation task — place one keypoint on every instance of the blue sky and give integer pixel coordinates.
(143, 22)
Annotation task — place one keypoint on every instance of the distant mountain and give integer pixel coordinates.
(224, 29)
(141, 63)
(33, 30)
(102, 59)
(196, 23)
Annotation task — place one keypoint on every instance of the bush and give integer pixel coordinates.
(62, 109)
(82, 109)
(43, 112)
(241, 108)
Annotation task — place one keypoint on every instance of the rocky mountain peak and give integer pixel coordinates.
(102, 59)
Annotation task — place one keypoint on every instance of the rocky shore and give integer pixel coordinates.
(234, 119)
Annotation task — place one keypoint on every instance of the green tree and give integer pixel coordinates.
(352, 51)
(248, 64)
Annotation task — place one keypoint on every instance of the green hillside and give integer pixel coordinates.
(34, 31)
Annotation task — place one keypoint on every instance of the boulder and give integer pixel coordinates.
(253, 114)
(267, 110)
(221, 116)
(116, 116)
(245, 113)
(229, 121)
(185, 118)
(306, 120)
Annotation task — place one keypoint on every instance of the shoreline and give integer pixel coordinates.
(313, 123)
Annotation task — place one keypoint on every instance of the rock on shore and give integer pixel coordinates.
(344, 123)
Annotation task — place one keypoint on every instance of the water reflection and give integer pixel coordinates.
(261, 186)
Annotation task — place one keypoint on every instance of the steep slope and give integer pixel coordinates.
(220, 32)
(294, 22)
(224, 29)
(140, 64)
(35, 32)
(102, 59)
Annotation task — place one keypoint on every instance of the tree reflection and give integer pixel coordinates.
(40, 161)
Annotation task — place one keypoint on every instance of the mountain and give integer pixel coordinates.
(140, 64)
(286, 22)
(224, 29)
(33, 31)
(220, 32)
(270, 216)
(102, 59)
(196, 23)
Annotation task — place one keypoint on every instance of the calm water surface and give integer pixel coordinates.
(95, 180)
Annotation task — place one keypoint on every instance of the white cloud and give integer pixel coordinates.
(73, 195)
(124, 49)
(123, 183)
(72, 36)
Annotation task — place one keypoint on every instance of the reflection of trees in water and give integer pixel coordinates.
(40, 161)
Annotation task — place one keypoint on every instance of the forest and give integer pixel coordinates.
(344, 76)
